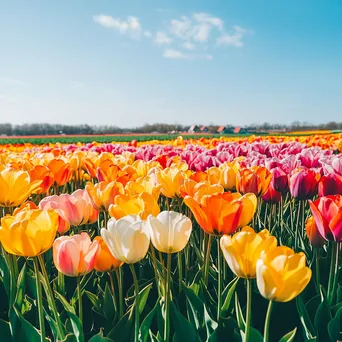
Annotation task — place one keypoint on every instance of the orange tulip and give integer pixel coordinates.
(313, 234)
(42, 172)
(255, 179)
(105, 261)
(61, 170)
(102, 194)
(222, 213)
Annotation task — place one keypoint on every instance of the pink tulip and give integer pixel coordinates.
(75, 255)
(75, 209)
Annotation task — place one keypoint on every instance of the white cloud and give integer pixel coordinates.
(181, 28)
(147, 34)
(162, 38)
(174, 54)
(189, 46)
(208, 19)
(234, 39)
(12, 81)
(130, 26)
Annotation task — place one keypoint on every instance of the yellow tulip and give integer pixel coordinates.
(243, 249)
(30, 232)
(282, 274)
(16, 187)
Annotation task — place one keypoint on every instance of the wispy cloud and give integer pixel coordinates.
(233, 39)
(187, 37)
(12, 81)
(130, 26)
(162, 38)
(174, 54)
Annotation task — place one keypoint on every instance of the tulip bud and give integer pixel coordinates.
(313, 234)
(75, 255)
(303, 183)
(170, 231)
(105, 262)
(279, 180)
(282, 274)
(127, 239)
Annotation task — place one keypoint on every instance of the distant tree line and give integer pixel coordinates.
(49, 129)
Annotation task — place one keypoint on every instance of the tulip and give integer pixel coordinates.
(222, 213)
(279, 180)
(327, 213)
(105, 262)
(282, 274)
(76, 209)
(170, 180)
(75, 255)
(61, 170)
(313, 234)
(30, 232)
(271, 195)
(42, 173)
(16, 187)
(142, 205)
(102, 194)
(330, 185)
(244, 248)
(255, 180)
(303, 183)
(127, 238)
(170, 231)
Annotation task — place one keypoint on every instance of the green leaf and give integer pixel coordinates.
(199, 314)
(108, 304)
(70, 338)
(122, 330)
(5, 275)
(184, 330)
(334, 326)
(309, 329)
(322, 319)
(254, 335)
(195, 286)
(21, 288)
(99, 338)
(227, 294)
(74, 320)
(143, 295)
(289, 337)
(239, 315)
(146, 324)
(5, 331)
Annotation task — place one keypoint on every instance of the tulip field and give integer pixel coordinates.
(188, 239)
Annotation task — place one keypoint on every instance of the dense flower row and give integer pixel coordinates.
(273, 209)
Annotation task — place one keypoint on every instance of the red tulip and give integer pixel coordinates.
(330, 185)
(279, 180)
(271, 195)
(327, 213)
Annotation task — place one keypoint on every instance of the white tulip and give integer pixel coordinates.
(170, 231)
(127, 238)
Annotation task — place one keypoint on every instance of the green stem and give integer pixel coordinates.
(180, 270)
(248, 309)
(155, 266)
(335, 247)
(118, 273)
(206, 260)
(61, 283)
(39, 300)
(297, 228)
(167, 300)
(219, 279)
(79, 292)
(136, 307)
(317, 270)
(52, 301)
(112, 287)
(267, 322)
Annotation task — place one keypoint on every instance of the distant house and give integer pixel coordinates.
(224, 130)
(237, 130)
(193, 129)
(204, 129)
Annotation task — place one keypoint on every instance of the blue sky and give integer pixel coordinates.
(132, 62)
